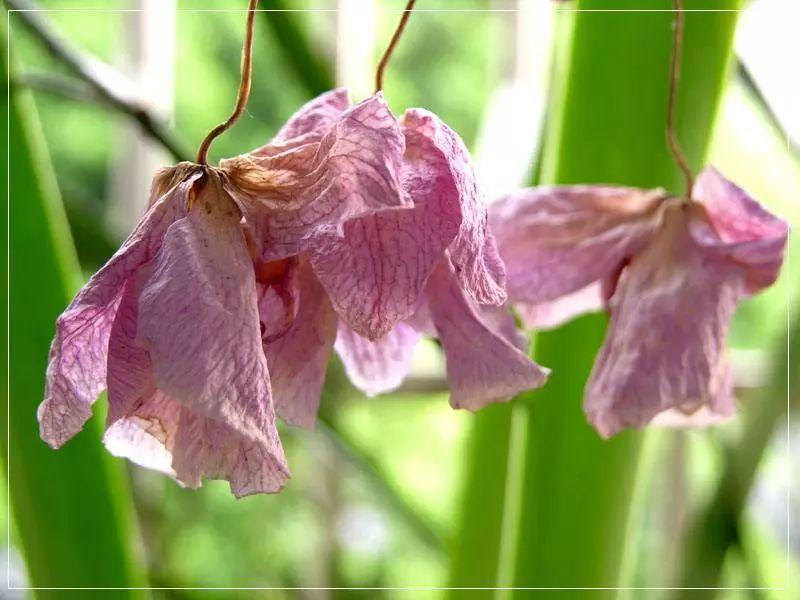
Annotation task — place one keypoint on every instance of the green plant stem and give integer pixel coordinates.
(72, 508)
(715, 528)
(475, 554)
(607, 124)
(577, 487)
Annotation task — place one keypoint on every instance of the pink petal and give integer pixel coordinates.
(379, 366)
(145, 434)
(376, 272)
(76, 370)
(741, 228)
(315, 118)
(307, 127)
(278, 296)
(299, 357)
(198, 319)
(702, 417)
(441, 166)
(482, 365)
(552, 314)
(161, 433)
(311, 190)
(557, 240)
(665, 346)
(208, 448)
(129, 377)
(501, 322)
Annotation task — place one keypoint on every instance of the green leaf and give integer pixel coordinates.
(72, 508)
(606, 124)
(608, 127)
(477, 555)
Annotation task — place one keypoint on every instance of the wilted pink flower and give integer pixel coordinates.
(374, 282)
(670, 272)
(172, 325)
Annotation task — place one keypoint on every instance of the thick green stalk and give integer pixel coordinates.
(72, 509)
(475, 555)
(607, 125)
(485, 543)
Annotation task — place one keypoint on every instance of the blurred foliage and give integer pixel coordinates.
(93, 501)
(307, 64)
(607, 124)
(332, 525)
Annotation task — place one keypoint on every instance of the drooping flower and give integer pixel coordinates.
(671, 273)
(172, 325)
(374, 282)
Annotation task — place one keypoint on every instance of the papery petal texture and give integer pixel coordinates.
(291, 196)
(440, 166)
(554, 313)
(665, 346)
(379, 366)
(170, 327)
(376, 272)
(209, 431)
(501, 322)
(163, 434)
(313, 120)
(741, 228)
(298, 358)
(76, 370)
(670, 272)
(209, 448)
(129, 377)
(558, 240)
(482, 365)
(145, 434)
(278, 296)
(198, 319)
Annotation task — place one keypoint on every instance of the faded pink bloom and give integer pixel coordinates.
(169, 327)
(380, 278)
(670, 273)
(172, 325)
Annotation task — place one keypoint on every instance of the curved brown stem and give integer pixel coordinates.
(392, 43)
(675, 66)
(244, 86)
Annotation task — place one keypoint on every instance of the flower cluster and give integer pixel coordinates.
(356, 232)
(222, 307)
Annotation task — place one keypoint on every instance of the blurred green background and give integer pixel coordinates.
(400, 491)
